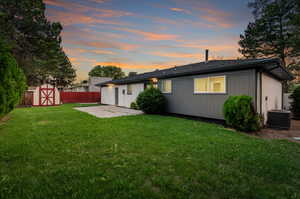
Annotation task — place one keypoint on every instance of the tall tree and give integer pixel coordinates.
(12, 81)
(107, 71)
(35, 41)
(274, 33)
(64, 74)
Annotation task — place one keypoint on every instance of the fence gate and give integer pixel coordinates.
(47, 96)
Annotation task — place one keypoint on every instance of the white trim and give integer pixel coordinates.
(208, 92)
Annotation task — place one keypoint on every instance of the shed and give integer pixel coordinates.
(45, 95)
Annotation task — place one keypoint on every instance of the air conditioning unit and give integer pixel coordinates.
(279, 119)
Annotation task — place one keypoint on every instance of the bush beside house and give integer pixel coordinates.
(12, 81)
(134, 105)
(239, 113)
(295, 105)
(151, 101)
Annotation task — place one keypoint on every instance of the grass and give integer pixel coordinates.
(59, 152)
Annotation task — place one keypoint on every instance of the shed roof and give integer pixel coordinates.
(272, 66)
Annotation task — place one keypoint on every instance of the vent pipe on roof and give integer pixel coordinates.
(206, 55)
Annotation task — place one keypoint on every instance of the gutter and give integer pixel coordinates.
(146, 76)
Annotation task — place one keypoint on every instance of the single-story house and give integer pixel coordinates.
(201, 89)
(88, 85)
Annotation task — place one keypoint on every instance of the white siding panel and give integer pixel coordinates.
(271, 94)
(125, 99)
(36, 97)
(108, 95)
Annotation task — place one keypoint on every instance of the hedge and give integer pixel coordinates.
(295, 105)
(12, 81)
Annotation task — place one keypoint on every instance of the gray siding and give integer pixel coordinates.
(182, 100)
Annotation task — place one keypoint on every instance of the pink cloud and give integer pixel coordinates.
(69, 18)
(150, 35)
(79, 8)
(177, 55)
(75, 33)
(104, 44)
(79, 51)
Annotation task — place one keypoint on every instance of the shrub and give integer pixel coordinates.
(151, 101)
(295, 105)
(12, 81)
(134, 105)
(239, 113)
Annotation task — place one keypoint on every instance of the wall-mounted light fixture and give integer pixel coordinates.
(110, 85)
(154, 80)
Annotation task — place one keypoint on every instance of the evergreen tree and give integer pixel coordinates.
(295, 105)
(12, 81)
(274, 33)
(36, 42)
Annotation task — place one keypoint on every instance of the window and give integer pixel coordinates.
(129, 89)
(215, 84)
(166, 86)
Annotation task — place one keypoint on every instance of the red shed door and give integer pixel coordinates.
(47, 96)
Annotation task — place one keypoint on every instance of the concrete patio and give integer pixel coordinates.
(291, 134)
(107, 111)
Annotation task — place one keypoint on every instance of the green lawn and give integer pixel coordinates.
(58, 152)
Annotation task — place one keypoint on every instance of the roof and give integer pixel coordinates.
(272, 66)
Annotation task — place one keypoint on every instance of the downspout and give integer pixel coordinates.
(260, 90)
(256, 90)
(282, 95)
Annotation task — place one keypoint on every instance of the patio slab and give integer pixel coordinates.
(107, 111)
(293, 134)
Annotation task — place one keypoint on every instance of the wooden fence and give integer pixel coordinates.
(79, 97)
(27, 99)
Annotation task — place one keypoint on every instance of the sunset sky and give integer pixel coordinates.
(143, 35)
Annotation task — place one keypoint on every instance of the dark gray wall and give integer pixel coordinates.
(182, 100)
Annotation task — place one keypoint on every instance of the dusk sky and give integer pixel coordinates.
(143, 35)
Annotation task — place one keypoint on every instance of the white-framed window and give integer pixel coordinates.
(129, 89)
(166, 86)
(214, 84)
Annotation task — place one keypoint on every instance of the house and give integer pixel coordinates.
(88, 85)
(201, 89)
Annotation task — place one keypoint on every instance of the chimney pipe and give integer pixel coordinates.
(206, 55)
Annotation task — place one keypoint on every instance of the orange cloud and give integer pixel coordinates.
(133, 65)
(216, 16)
(79, 8)
(69, 18)
(150, 35)
(79, 51)
(185, 22)
(104, 44)
(177, 55)
(97, 1)
(73, 59)
(75, 33)
(218, 21)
